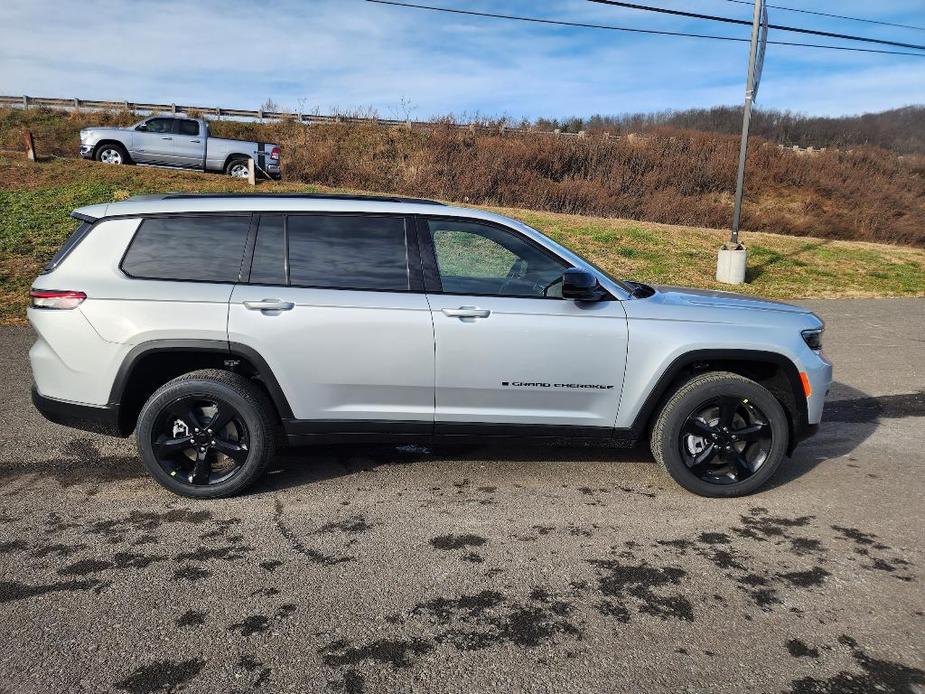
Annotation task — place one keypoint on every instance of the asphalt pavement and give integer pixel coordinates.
(479, 569)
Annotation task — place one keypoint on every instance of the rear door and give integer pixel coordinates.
(188, 143)
(511, 354)
(335, 304)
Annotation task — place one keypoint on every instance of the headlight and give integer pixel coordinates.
(813, 338)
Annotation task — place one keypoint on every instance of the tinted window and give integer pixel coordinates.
(207, 248)
(188, 127)
(160, 125)
(347, 252)
(477, 258)
(269, 264)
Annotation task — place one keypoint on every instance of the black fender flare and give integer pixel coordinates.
(798, 414)
(222, 347)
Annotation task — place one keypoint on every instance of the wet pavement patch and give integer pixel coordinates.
(877, 676)
(637, 584)
(162, 675)
(397, 653)
(798, 649)
(14, 590)
(255, 624)
(190, 573)
(357, 524)
(191, 618)
(449, 542)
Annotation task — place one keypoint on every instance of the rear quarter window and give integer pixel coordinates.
(78, 235)
(206, 248)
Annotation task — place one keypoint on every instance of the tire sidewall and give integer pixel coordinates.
(259, 438)
(690, 401)
(234, 162)
(118, 148)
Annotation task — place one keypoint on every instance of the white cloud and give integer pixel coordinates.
(351, 54)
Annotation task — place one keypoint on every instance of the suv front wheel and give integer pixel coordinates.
(207, 434)
(721, 434)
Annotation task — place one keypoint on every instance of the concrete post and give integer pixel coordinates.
(251, 172)
(30, 144)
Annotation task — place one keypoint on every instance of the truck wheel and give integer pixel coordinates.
(207, 434)
(721, 434)
(112, 154)
(237, 167)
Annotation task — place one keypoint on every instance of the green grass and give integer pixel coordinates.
(37, 200)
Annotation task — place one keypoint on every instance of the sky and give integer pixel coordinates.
(355, 56)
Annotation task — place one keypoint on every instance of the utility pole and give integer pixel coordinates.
(730, 267)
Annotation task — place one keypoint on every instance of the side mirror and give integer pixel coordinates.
(580, 285)
(142, 127)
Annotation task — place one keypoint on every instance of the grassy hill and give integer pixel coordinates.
(668, 175)
(36, 200)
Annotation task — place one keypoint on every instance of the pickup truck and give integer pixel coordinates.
(180, 142)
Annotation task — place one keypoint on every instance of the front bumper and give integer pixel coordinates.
(86, 151)
(100, 420)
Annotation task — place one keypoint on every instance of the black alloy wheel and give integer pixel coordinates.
(200, 440)
(721, 434)
(207, 434)
(725, 440)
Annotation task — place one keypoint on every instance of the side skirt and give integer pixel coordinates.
(308, 432)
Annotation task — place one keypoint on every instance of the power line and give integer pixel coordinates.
(585, 25)
(833, 16)
(781, 27)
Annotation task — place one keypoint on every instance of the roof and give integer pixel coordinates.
(166, 203)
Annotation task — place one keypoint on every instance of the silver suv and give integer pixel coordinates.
(217, 326)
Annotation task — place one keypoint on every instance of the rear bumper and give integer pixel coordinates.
(98, 419)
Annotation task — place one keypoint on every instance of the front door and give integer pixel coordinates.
(154, 144)
(510, 352)
(342, 322)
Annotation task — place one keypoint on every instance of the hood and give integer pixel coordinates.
(716, 299)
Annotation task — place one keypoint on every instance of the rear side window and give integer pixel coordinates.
(69, 245)
(206, 248)
(347, 252)
(188, 127)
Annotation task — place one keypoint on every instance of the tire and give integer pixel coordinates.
(737, 459)
(112, 154)
(171, 443)
(237, 167)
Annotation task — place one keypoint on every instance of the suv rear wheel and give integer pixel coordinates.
(721, 434)
(207, 434)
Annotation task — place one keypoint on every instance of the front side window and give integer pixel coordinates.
(347, 252)
(474, 258)
(160, 125)
(188, 127)
(207, 248)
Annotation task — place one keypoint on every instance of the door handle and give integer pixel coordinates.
(466, 312)
(166, 138)
(269, 305)
(196, 142)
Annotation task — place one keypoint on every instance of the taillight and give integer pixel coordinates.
(274, 153)
(55, 298)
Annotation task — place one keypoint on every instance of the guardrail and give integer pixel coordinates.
(259, 114)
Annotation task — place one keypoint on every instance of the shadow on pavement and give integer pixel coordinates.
(862, 412)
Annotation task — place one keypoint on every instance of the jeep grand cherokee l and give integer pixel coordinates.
(217, 326)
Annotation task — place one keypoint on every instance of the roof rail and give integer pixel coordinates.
(307, 196)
